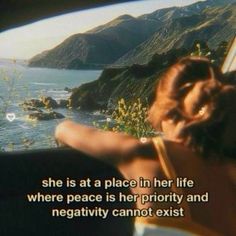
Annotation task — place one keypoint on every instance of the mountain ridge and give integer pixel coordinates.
(127, 40)
(213, 26)
(100, 46)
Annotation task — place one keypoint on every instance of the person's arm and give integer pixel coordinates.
(113, 148)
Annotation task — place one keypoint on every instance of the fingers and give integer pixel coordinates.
(61, 129)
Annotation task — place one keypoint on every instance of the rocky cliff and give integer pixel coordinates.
(136, 81)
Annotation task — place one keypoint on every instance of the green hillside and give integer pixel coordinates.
(127, 40)
(213, 25)
(98, 47)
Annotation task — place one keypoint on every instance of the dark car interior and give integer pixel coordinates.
(22, 172)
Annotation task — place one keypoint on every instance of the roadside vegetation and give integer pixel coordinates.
(129, 118)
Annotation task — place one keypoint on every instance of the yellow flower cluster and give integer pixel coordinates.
(130, 118)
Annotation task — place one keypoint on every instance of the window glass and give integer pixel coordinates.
(99, 66)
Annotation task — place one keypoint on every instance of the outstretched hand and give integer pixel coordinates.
(112, 147)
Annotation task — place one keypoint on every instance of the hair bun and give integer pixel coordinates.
(195, 93)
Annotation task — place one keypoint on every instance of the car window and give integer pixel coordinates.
(99, 66)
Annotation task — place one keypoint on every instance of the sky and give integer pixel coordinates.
(29, 40)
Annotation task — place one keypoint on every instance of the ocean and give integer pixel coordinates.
(19, 83)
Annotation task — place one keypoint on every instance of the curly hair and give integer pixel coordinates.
(195, 92)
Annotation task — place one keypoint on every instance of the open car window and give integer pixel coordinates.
(99, 66)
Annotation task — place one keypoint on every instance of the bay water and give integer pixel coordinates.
(18, 83)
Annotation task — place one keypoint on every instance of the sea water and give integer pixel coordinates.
(18, 83)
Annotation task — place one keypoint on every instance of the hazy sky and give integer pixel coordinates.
(27, 41)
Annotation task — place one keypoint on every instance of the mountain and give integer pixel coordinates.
(176, 12)
(98, 47)
(127, 40)
(131, 83)
(213, 25)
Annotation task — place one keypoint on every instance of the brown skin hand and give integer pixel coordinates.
(113, 148)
